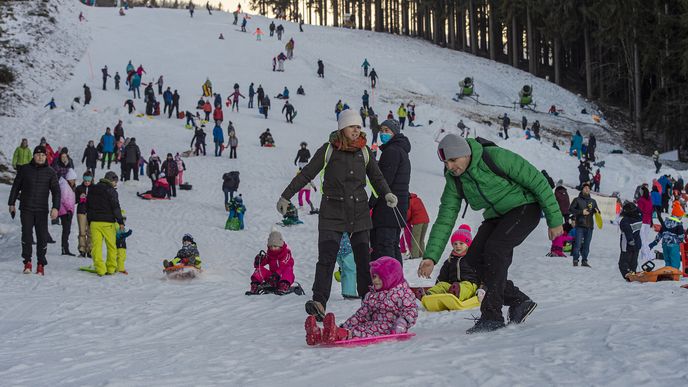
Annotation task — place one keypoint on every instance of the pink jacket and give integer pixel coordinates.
(559, 242)
(645, 207)
(279, 262)
(380, 309)
(67, 198)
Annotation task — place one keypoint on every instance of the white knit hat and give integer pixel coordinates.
(275, 239)
(71, 175)
(348, 117)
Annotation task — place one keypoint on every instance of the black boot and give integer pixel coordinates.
(482, 326)
(65, 251)
(519, 313)
(314, 308)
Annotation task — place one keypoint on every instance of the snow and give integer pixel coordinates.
(73, 328)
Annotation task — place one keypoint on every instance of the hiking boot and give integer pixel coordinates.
(65, 251)
(82, 254)
(313, 331)
(166, 264)
(39, 269)
(575, 262)
(314, 308)
(483, 326)
(585, 263)
(283, 288)
(27, 268)
(348, 297)
(331, 332)
(519, 313)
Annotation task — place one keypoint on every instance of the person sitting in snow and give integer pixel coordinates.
(456, 276)
(279, 274)
(267, 140)
(388, 308)
(188, 255)
(160, 190)
(671, 235)
(558, 243)
(300, 91)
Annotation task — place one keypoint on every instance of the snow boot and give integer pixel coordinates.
(282, 288)
(65, 251)
(27, 268)
(419, 293)
(483, 326)
(348, 297)
(314, 308)
(575, 262)
(519, 313)
(313, 331)
(255, 288)
(585, 263)
(331, 332)
(39, 269)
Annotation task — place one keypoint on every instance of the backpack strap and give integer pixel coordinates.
(366, 160)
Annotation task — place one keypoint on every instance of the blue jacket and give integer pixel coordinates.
(251, 92)
(135, 81)
(217, 134)
(285, 93)
(577, 141)
(664, 182)
(167, 96)
(108, 143)
(670, 234)
(656, 198)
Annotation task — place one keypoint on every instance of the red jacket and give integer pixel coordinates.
(417, 214)
(645, 207)
(207, 107)
(217, 114)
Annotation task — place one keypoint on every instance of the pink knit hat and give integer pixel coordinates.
(463, 234)
(389, 270)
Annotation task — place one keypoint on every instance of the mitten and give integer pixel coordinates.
(401, 325)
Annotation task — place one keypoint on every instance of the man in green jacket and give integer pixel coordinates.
(512, 193)
(22, 155)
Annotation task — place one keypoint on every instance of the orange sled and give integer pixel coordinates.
(666, 273)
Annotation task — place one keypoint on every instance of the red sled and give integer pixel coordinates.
(181, 115)
(148, 196)
(362, 341)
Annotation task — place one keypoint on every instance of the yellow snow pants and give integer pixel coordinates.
(108, 232)
(467, 289)
(121, 258)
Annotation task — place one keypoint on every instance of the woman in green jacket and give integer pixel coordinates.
(22, 155)
(512, 193)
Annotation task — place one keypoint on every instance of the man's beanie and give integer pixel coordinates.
(39, 149)
(348, 117)
(453, 146)
(393, 125)
(463, 234)
(111, 176)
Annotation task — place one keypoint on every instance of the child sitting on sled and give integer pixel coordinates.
(237, 209)
(671, 235)
(456, 276)
(279, 274)
(558, 243)
(388, 308)
(291, 217)
(121, 243)
(188, 255)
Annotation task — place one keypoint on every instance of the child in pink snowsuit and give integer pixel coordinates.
(557, 249)
(305, 192)
(388, 308)
(279, 273)
(181, 167)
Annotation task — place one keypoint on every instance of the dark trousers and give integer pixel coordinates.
(232, 152)
(229, 194)
(290, 117)
(104, 83)
(128, 167)
(116, 85)
(173, 108)
(658, 166)
(491, 254)
(384, 242)
(218, 149)
(66, 222)
(109, 156)
(31, 220)
(250, 102)
(165, 107)
(402, 121)
(628, 261)
(581, 246)
(173, 188)
(159, 89)
(328, 246)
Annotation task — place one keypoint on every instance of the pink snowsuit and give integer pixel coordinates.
(280, 263)
(67, 199)
(380, 309)
(558, 243)
(305, 192)
(179, 180)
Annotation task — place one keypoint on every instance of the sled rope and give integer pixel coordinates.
(406, 226)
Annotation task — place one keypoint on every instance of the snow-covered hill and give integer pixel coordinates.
(70, 328)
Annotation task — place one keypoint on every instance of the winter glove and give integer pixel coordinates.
(481, 294)
(282, 206)
(258, 261)
(455, 289)
(401, 325)
(391, 200)
(652, 245)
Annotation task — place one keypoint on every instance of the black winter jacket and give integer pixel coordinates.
(396, 168)
(302, 156)
(169, 167)
(630, 225)
(90, 157)
(230, 181)
(32, 185)
(103, 203)
(457, 269)
(132, 153)
(581, 203)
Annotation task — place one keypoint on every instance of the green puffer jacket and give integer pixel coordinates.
(485, 190)
(22, 156)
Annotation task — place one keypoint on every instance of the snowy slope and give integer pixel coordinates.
(70, 328)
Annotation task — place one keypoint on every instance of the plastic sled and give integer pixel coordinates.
(361, 341)
(188, 126)
(139, 115)
(684, 286)
(442, 302)
(181, 271)
(150, 197)
(666, 273)
(185, 187)
(233, 224)
(598, 220)
(90, 269)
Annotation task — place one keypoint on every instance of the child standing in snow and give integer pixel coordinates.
(630, 241)
(279, 273)
(457, 276)
(671, 235)
(347, 268)
(121, 243)
(236, 209)
(557, 249)
(388, 308)
(305, 192)
(188, 255)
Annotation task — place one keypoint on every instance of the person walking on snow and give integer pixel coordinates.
(160, 84)
(218, 139)
(233, 143)
(365, 98)
(259, 95)
(107, 141)
(106, 75)
(272, 28)
(280, 61)
(80, 195)
(243, 23)
(302, 156)
(583, 209)
(167, 100)
(235, 99)
(181, 167)
(258, 33)
(401, 113)
(373, 78)
(576, 145)
(321, 69)
(251, 94)
(511, 191)
(22, 154)
(87, 95)
(646, 209)
(288, 110)
(169, 168)
(32, 185)
(290, 48)
(66, 211)
(365, 66)
(655, 159)
(175, 104)
(346, 167)
(506, 122)
(104, 217)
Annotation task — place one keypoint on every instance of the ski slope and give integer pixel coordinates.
(72, 328)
